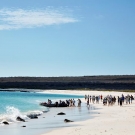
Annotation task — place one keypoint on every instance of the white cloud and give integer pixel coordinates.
(19, 18)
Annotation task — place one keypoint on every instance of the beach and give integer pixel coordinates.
(26, 105)
(106, 120)
(96, 119)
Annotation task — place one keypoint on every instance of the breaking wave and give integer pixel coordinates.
(12, 113)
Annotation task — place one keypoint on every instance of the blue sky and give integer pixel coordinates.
(67, 38)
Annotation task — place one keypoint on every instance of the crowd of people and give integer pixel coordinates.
(109, 99)
(93, 99)
(128, 99)
(70, 102)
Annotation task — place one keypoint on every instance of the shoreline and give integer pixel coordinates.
(97, 119)
(46, 122)
(106, 121)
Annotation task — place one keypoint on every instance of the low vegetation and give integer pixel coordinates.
(116, 82)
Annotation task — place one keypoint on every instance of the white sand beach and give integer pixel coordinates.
(107, 120)
(94, 120)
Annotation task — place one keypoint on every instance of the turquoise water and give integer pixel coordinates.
(15, 104)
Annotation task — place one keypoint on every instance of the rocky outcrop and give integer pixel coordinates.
(20, 119)
(33, 116)
(61, 113)
(66, 120)
(5, 122)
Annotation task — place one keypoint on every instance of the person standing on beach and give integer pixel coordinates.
(121, 101)
(70, 102)
(85, 97)
(90, 99)
(118, 100)
(79, 103)
(97, 99)
(93, 99)
(67, 102)
(122, 98)
(131, 98)
(127, 99)
(101, 97)
(73, 102)
(88, 102)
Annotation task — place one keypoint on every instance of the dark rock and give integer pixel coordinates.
(23, 126)
(61, 113)
(5, 122)
(33, 117)
(24, 91)
(66, 120)
(44, 111)
(20, 119)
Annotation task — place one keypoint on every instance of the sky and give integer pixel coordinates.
(52, 38)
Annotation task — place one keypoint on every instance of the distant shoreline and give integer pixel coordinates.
(101, 83)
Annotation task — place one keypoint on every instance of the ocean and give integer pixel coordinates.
(17, 103)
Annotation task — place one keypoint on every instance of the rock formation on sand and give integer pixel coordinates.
(20, 119)
(66, 120)
(61, 113)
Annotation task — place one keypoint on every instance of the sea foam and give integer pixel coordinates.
(12, 113)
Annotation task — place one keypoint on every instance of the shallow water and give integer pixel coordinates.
(15, 104)
(49, 121)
